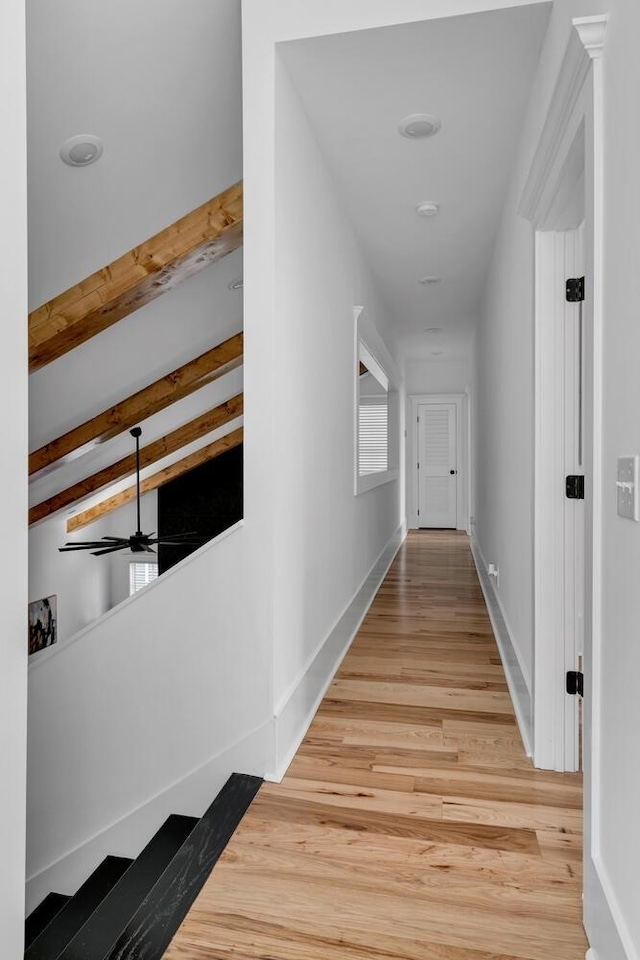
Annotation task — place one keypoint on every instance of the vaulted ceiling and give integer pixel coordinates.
(161, 85)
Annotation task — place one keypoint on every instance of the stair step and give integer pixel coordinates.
(97, 937)
(150, 931)
(42, 916)
(74, 914)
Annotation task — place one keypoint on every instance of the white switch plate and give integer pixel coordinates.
(628, 488)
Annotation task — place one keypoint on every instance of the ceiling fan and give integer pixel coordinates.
(138, 542)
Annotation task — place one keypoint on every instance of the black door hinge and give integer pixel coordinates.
(575, 683)
(575, 289)
(574, 487)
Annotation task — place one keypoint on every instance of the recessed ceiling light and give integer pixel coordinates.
(417, 126)
(236, 284)
(81, 150)
(433, 330)
(426, 280)
(428, 208)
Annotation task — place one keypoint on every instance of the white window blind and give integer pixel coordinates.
(373, 417)
(140, 574)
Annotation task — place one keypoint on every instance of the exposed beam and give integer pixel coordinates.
(144, 273)
(207, 453)
(151, 399)
(153, 452)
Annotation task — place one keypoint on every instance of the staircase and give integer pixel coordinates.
(129, 909)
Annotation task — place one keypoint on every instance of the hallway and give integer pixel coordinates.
(410, 824)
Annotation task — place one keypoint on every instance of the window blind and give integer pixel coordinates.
(373, 443)
(140, 574)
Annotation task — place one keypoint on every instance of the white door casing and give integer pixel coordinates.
(575, 108)
(437, 465)
(559, 542)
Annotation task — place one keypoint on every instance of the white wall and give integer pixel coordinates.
(436, 376)
(326, 539)
(142, 700)
(504, 373)
(13, 433)
(620, 707)
(505, 450)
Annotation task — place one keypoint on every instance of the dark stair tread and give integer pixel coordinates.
(55, 937)
(97, 937)
(42, 916)
(151, 930)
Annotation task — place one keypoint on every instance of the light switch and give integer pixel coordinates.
(628, 489)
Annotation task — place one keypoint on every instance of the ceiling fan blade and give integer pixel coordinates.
(119, 546)
(180, 536)
(176, 543)
(81, 546)
(148, 549)
(119, 539)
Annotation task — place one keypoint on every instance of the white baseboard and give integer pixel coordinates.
(519, 685)
(605, 922)
(296, 710)
(126, 837)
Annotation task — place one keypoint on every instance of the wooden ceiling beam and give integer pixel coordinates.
(207, 453)
(146, 402)
(199, 427)
(135, 279)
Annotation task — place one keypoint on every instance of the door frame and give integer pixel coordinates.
(462, 430)
(577, 103)
(555, 713)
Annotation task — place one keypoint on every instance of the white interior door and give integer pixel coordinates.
(437, 465)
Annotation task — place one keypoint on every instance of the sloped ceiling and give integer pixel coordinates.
(472, 72)
(160, 82)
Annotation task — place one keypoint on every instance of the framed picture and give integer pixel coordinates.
(43, 619)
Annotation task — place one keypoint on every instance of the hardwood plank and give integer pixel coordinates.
(342, 860)
(150, 454)
(203, 455)
(420, 695)
(151, 399)
(179, 251)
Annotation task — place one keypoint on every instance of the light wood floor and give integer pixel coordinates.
(410, 824)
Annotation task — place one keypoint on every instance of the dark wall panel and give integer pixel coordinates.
(206, 500)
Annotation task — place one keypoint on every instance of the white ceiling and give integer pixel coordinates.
(474, 73)
(160, 81)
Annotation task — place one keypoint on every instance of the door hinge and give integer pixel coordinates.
(575, 683)
(574, 487)
(418, 511)
(575, 289)
(418, 466)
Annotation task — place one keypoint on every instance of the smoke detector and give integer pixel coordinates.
(81, 150)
